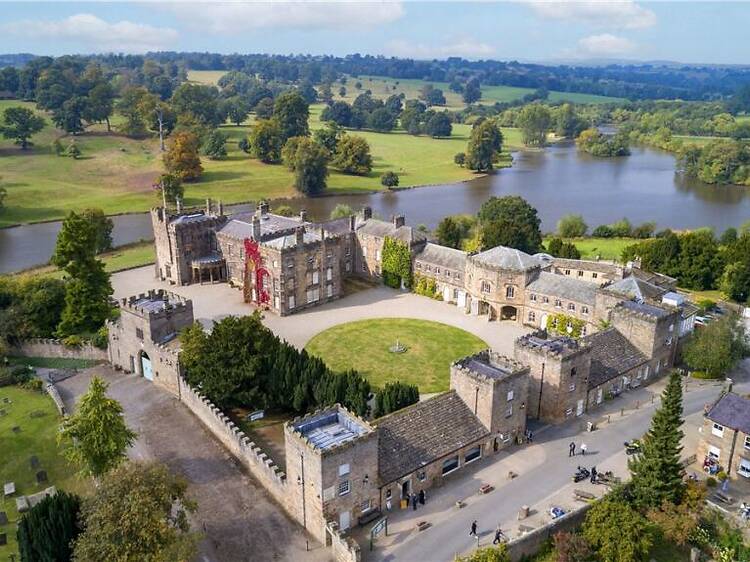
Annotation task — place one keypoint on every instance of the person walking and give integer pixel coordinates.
(572, 449)
(584, 448)
(414, 502)
(529, 436)
(499, 536)
(473, 532)
(593, 475)
(422, 497)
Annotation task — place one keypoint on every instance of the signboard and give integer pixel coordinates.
(256, 415)
(379, 527)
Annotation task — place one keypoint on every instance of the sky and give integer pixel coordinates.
(524, 30)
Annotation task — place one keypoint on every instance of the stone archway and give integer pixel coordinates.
(509, 312)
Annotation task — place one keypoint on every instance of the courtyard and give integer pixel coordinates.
(396, 349)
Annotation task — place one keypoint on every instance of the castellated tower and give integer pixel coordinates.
(495, 388)
(332, 469)
(652, 329)
(559, 372)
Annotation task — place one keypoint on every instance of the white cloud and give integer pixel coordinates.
(605, 45)
(622, 14)
(239, 17)
(95, 33)
(462, 48)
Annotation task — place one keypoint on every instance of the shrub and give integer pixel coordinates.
(711, 482)
(460, 159)
(394, 396)
(721, 476)
(389, 179)
(99, 339)
(73, 340)
(34, 385)
(21, 374)
(603, 231)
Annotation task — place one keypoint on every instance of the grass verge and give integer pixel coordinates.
(599, 248)
(53, 362)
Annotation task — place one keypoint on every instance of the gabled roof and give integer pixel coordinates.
(564, 287)
(732, 411)
(644, 308)
(240, 226)
(654, 278)
(443, 256)
(635, 288)
(511, 259)
(381, 229)
(423, 433)
(612, 355)
(588, 265)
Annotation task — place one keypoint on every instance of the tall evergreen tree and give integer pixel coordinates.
(46, 531)
(656, 472)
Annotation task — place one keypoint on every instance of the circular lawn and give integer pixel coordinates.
(430, 348)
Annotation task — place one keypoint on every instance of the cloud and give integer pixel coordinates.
(605, 45)
(239, 17)
(95, 33)
(620, 14)
(462, 48)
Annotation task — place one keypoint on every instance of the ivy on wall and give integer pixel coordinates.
(426, 287)
(396, 263)
(565, 325)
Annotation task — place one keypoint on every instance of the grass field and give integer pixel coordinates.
(364, 346)
(37, 437)
(601, 248)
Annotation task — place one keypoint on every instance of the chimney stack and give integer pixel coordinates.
(300, 235)
(367, 213)
(263, 208)
(208, 206)
(352, 222)
(221, 208)
(256, 228)
(399, 221)
(303, 215)
(178, 200)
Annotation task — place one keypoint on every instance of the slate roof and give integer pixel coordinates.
(290, 240)
(611, 355)
(654, 278)
(564, 287)
(240, 226)
(334, 226)
(381, 229)
(425, 432)
(443, 256)
(588, 265)
(507, 258)
(644, 308)
(635, 288)
(732, 411)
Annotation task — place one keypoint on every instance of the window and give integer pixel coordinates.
(509, 411)
(583, 330)
(510, 292)
(545, 300)
(419, 265)
(594, 275)
(329, 290)
(714, 452)
(567, 272)
(344, 488)
(344, 469)
(747, 441)
(473, 454)
(291, 301)
(364, 251)
(275, 263)
(532, 297)
(365, 506)
(486, 287)
(558, 303)
(421, 476)
(449, 465)
(329, 273)
(290, 264)
(348, 251)
(313, 295)
(455, 294)
(718, 430)
(447, 273)
(315, 277)
(139, 333)
(348, 266)
(509, 395)
(364, 266)
(744, 468)
(437, 269)
(377, 255)
(532, 316)
(572, 387)
(290, 282)
(388, 493)
(580, 273)
(584, 310)
(568, 412)
(571, 307)
(573, 372)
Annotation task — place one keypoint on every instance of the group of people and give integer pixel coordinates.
(499, 535)
(572, 449)
(413, 499)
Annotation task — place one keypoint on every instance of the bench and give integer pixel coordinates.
(486, 488)
(422, 525)
(460, 504)
(725, 498)
(583, 495)
(369, 517)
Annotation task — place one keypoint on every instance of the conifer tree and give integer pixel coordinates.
(46, 531)
(657, 471)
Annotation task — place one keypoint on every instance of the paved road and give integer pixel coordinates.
(543, 467)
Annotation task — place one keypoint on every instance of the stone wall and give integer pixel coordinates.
(530, 543)
(55, 395)
(344, 549)
(55, 348)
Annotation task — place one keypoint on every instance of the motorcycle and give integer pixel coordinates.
(744, 511)
(604, 477)
(581, 474)
(632, 447)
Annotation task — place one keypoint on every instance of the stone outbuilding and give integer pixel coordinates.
(725, 435)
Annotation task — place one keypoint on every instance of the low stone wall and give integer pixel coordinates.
(530, 543)
(55, 395)
(343, 548)
(270, 476)
(55, 348)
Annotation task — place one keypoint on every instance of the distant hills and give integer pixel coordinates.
(15, 59)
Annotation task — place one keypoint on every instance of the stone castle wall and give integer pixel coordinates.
(55, 348)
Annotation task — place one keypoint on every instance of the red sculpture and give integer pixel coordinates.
(254, 261)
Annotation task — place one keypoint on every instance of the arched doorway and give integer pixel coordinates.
(146, 366)
(543, 321)
(508, 313)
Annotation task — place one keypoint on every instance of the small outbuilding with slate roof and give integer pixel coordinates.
(725, 438)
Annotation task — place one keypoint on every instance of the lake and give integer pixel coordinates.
(559, 180)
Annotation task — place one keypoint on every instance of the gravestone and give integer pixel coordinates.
(34, 462)
(3, 539)
(9, 488)
(3, 518)
(16, 429)
(2, 412)
(41, 476)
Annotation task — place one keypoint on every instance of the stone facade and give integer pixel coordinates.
(725, 435)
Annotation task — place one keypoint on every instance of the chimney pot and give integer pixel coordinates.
(300, 235)
(303, 215)
(256, 228)
(352, 222)
(399, 221)
(367, 213)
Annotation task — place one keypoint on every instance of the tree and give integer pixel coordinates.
(432, 95)
(170, 187)
(735, 281)
(46, 531)
(140, 513)
(340, 211)
(199, 100)
(438, 125)
(100, 104)
(69, 117)
(460, 159)
(309, 162)
(353, 156)
(677, 522)
(264, 108)
(338, 112)
(471, 92)
(488, 554)
(236, 110)
(534, 121)
(572, 226)
(485, 145)
(381, 120)
(103, 226)
(88, 288)
(394, 396)
(98, 433)
(266, 141)
(572, 547)
(656, 471)
(617, 532)
(182, 159)
(329, 136)
(20, 124)
(717, 348)
(244, 145)
(291, 112)
(215, 145)
(130, 107)
(396, 264)
(510, 221)
(448, 233)
(389, 179)
(567, 122)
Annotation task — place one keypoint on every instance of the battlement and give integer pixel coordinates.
(562, 347)
(642, 311)
(156, 303)
(330, 430)
(488, 366)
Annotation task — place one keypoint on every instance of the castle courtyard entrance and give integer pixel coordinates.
(509, 313)
(146, 369)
